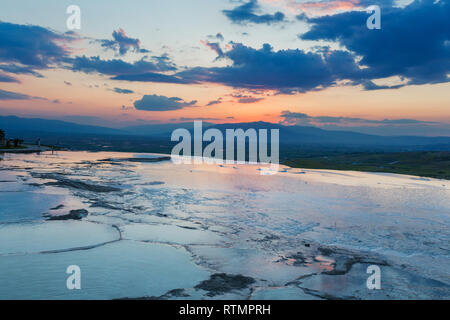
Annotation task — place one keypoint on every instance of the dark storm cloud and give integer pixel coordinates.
(413, 42)
(115, 67)
(288, 71)
(32, 46)
(413, 45)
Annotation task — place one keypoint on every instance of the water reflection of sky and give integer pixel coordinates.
(401, 216)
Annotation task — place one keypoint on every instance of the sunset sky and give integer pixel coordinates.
(292, 61)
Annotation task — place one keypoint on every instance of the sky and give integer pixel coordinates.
(295, 62)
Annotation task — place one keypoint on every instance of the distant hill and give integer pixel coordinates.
(15, 126)
(307, 135)
(161, 130)
(289, 135)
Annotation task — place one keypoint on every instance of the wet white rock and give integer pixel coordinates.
(125, 269)
(169, 234)
(257, 218)
(34, 237)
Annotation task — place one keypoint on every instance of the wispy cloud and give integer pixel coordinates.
(324, 7)
(9, 95)
(217, 36)
(386, 127)
(213, 102)
(246, 98)
(214, 46)
(298, 118)
(7, 78)
(18, 69)
(123, 91)
(247, 13)
(122, 43)
(196, 119)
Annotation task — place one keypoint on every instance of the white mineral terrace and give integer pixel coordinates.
(153, 227)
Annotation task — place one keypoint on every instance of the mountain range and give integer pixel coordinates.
(29, 128)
